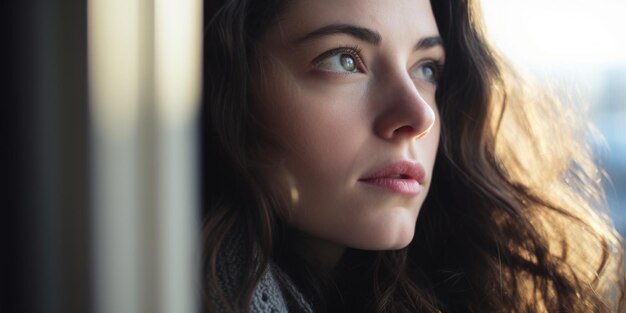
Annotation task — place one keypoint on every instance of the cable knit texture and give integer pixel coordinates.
(274, 293)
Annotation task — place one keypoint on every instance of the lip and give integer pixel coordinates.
(404, 177)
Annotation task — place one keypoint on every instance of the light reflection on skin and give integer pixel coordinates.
(330, 125)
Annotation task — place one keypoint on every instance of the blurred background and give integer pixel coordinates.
(102, 103)
(101, 117)
(579, 49)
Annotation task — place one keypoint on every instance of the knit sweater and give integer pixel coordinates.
(274, 293)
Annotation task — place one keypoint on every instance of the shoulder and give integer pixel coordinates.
(268, 296)
(274, 291)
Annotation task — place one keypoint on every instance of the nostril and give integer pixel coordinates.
(404, 130)
(411, 131)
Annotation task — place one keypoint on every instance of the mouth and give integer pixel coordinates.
(400, 176)
(403, 177)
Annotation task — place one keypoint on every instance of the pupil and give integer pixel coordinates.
(347, 62)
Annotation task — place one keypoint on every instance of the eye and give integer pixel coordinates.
(429, 71)
(341, 60)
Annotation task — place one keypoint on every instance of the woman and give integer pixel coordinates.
(331, 125)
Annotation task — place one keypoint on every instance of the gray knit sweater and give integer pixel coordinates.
(275, 292)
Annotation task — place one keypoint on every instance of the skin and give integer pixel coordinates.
(328, 127)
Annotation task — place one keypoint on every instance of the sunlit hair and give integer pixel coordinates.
(511, 222)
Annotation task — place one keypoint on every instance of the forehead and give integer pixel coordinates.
(393, 19)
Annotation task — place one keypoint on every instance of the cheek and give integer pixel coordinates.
(431, 145)
(320, 142)
(314, 132)
(319, 139)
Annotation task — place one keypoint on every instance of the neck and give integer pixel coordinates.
(324, 254)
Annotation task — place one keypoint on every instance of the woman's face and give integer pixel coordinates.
(346, 96)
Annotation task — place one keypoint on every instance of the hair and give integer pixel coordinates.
(511, 222)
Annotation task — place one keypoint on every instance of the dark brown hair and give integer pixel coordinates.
(511, 222)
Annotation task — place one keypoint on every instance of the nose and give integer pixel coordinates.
(404, 113)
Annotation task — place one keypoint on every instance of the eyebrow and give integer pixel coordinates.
(428, 42)
(364, 34)
(361, 33)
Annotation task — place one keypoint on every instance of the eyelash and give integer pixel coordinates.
(437, 66)
(353, 51)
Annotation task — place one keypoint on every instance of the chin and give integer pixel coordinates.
(393, 245)
(388, 238)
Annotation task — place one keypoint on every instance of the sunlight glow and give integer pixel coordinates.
(178, 43)
(558, 32)
(114, 65)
